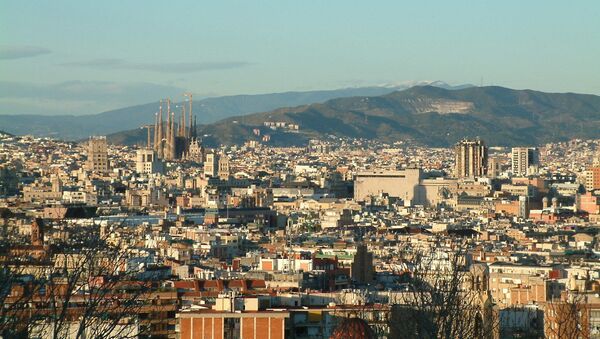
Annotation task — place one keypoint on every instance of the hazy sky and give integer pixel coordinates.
(83, 57)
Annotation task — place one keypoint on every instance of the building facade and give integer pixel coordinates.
(592, 178)
(97, 154)
(211, 165)
(524, 161)
(146, 162)
(400, 184)
(471, 157)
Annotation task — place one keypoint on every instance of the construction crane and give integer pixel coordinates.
(148, 127)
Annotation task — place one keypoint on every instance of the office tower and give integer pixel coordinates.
(470, 158)
(592, 174)
(524, 161)
(146, 162)
(97, 155)
(362, 266)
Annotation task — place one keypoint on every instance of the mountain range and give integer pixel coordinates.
(207, 110)
(425, 114)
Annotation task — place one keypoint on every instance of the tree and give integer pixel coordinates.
(568, 318)
(15, 284)
(364, 307)
(14, 296)
(85, 291)
(89, 294)
(446, 296)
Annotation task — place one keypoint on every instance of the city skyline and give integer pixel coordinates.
(299, 170)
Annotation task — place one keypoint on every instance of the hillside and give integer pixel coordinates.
(208, 110)
(429, 115)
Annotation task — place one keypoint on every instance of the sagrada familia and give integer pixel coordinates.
(177, 141)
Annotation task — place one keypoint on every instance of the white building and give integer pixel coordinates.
(146, 162)
(524, 161)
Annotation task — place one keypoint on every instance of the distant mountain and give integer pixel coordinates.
(207, 111)
(426, 114)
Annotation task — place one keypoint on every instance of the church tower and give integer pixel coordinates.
(37, 232)
(177, 139)
(172, 138)
(158, 140)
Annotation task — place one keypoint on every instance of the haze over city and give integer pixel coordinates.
(71, 57)
(303, 170)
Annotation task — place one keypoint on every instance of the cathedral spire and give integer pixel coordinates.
(158, 141)
(195, 130)
(190, 133)
(172, 138)
(182, 129)
(167, 151)
(155, 131)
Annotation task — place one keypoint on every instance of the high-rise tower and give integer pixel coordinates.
(97, 155)
(524, 161)
(471, 158)
(592, 174)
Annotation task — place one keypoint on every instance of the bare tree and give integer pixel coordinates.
(84, 291)
(446, 297)
(13, 303)
(89, 293)
(568, 318)
(360, 303)
(15, 286)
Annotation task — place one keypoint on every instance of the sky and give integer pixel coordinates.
(84, 57)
